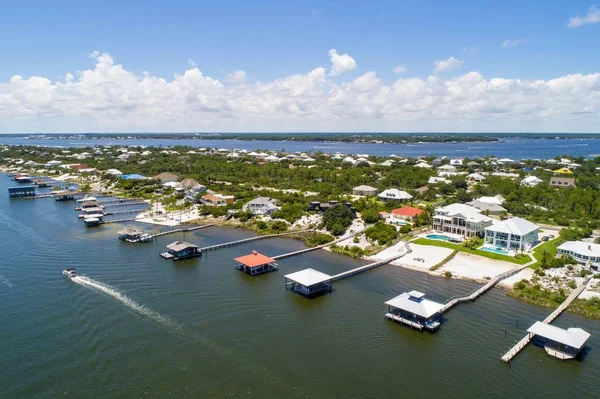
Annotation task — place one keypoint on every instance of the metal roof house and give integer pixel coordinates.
(460, 219)
(414, 310)
(255, 263)
(512, 234)
(309, 282)
(181, 250)
(365, 190)
(586, 253)
(394, 195)
(261, 206)
(558, 342)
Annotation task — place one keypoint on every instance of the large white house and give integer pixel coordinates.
(512, 234)
(582, 252)
(261, 206)
(394, 195)
(531, 181)
(461, 219)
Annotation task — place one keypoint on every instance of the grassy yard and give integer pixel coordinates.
(460, 248)
(537, 251)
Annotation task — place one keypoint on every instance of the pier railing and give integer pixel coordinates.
(245, 240)
(371, 266)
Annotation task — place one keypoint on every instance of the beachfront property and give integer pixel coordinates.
(166, 177)
(487, 208)
(181, 250)
(261, 206)
(586, 253)
(255, 264)
(394, 195)
(558, 342)
(406, 213)
(414, 310)
(217, 199)
(365, 191)
(531, 181)
(460, 219)
(562, 182)
(309, 282)
(512, 234)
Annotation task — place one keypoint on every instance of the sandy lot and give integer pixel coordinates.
(475, 267)
(430, 256)
(523, 274)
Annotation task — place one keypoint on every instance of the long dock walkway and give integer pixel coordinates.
(182, 230)
(371, 266)
(514, 351)
(228, 244)
(483, 289)
(301, 251)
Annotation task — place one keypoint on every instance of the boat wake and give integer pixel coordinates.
(130, 303)
(5, 281)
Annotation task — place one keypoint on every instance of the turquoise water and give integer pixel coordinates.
(494, 250)
(136, 325)
(438, 237)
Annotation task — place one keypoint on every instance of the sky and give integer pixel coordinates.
(299, 66)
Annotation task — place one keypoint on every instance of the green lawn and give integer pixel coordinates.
(460, 248)
(537, 251)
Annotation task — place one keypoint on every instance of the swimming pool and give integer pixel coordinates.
(495, 250)
(438, 237)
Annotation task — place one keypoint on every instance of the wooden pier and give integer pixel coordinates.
(245, 240)
(118, 220)
(301, 251)
(370, 266)
(514, 351)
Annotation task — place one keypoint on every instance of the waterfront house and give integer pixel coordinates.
(217, 199)
(461, 219)
(261, 206)
(558, 342)
(309, 282)
(487, 208)
(255, 264)
(531, 181)
(394, 195)
(365, 191)
(512, 234)
(166, 177)
(414, 310)
(181, 250)
(586, 253)
(562, 182)
(405, 213)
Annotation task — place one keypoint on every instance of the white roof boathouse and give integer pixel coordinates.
(309, 282)
(558, 342)
(414, 310)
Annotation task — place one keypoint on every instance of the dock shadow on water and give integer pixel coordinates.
(130, 303)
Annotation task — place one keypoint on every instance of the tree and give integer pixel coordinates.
(370, 215)
(503, 215)
(337, 219)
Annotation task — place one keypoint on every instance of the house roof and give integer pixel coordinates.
(563, 171)
(407, 211)
(189, 183)
(180, 245)
(254, 259)
(212, 197)
(514, 226)
(262, 201)
(573, 337)
(165, 175)
(483, 206)
(308, 277)
(497, 199)
(581, 247)
(365, 188)
(414, 302)
(423, 165)
(466, 211)
(394, 193)
(531, 179)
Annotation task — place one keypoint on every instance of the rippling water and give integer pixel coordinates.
(137, 325)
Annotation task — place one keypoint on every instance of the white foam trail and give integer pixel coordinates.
(141, 309)
(5, 281)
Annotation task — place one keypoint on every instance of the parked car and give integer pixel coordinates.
(551, 236)
(545, 238)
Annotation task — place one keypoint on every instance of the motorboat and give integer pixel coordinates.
(69, 273)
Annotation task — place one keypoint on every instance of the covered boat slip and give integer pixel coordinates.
(414, 310)
(132, 234)
(558, 342)
(255, 264)
(23, 191)
(309, 282)
(181, 250)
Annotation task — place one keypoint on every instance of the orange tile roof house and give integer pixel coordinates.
(217, 199)
(255, 263)
(406, 213)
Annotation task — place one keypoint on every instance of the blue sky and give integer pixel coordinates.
(274, 40)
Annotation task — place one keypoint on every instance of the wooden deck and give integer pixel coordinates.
(404, 321)
(245, 240)
(301, 251)
(370, 266)
(514, 351)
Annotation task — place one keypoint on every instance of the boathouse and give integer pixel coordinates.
(24, 191)
(309, 282)
(414, 310)
(131, 234)
(65, 195)
(255, 264)
(558, 342)
(181, 250)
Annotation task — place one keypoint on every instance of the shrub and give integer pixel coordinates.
(405, 229)
(382, 233)
(572, 284)
(448, 274)
(289, 212)
(370, 215)
(473, 242)
(337, 219)
(262, 225)
(279, 226)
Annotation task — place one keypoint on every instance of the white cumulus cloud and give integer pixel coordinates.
(515, 42)
(400, 69)
(108, 97)
(447, 65)
(340, 63)
(592, 17)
